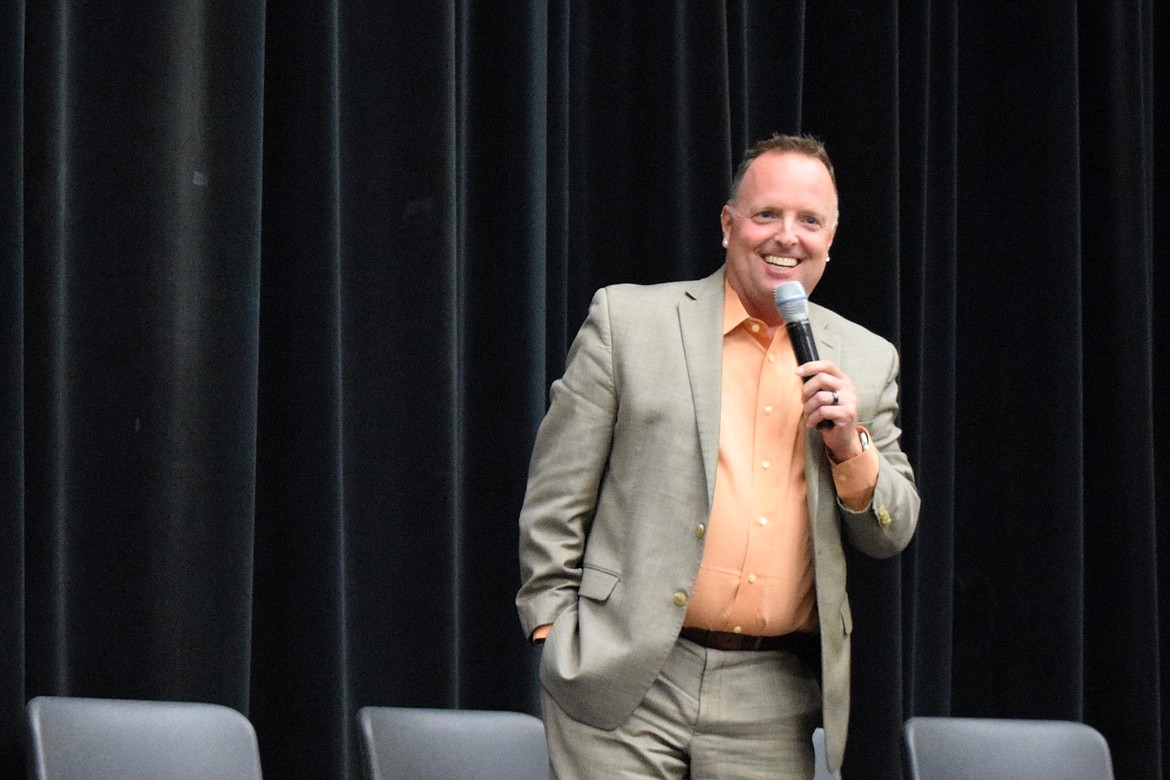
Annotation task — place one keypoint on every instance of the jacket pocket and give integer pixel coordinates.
(597, 584)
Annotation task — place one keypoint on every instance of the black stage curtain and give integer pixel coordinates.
(284, 286)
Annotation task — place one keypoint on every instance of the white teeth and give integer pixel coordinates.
(783, 262)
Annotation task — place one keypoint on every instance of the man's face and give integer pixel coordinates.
(778, 228)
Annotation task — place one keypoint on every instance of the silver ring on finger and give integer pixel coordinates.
(836, 398)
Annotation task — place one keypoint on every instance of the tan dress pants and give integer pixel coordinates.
(710, 715)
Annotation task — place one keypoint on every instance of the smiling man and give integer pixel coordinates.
(681, 539)
(778, 225)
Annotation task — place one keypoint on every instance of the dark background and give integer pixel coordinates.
(284, 286)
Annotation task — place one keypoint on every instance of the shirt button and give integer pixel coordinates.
(755, 327)
(767, 410)
(700, 531)
(763, 521)
(765, 464)
(680, 599)
(738, 629)
(771, 358)
(751, 579)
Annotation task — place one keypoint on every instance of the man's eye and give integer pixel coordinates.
(765, 217)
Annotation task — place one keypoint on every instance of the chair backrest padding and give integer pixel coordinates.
(437, 744)
(995, 748)
(106, 739)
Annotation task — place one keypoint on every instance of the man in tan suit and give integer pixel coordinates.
(681, 536)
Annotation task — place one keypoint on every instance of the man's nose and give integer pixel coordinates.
(786, 231)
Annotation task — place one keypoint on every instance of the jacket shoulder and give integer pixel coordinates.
(668, 293)
(848, 329)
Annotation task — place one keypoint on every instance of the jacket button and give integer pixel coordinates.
(883, 515)
(680, 599)
(700, 531)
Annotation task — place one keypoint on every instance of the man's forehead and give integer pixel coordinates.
(789, 181)
(769, 163)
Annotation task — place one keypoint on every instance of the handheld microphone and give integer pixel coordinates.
(792, 303)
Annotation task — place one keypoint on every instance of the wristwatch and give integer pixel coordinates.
(862, 436)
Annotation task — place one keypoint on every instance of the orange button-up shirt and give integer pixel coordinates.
(756, 575)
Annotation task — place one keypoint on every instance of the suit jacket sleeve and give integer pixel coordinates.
(568, 461)
(885, 527)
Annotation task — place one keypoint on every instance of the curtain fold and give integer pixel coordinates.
(1159, 675)
(283, 290)
(928, 190)
(1117, 214)
(139, 296)
(12, 623)
(299, 691)
(1019, 294)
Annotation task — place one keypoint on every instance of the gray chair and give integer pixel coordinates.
(402, 743)
(999, 749)
(822, 767)
(120, 739)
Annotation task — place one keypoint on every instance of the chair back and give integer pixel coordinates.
(403, 743)
(118, 739)
(821, 766)
(1002, 749)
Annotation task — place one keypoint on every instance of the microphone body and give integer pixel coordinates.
(803, 344)
(792, 303)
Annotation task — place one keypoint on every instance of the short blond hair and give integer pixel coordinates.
(796, 144)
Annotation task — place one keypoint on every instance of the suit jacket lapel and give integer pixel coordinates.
(700, 315)
(828, 341)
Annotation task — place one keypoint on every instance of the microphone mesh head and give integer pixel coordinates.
(791, 302)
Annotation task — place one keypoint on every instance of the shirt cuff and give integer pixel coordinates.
(856, 478)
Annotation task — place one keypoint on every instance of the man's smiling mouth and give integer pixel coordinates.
(781, 262)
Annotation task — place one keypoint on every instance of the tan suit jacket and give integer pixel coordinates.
(623, 472)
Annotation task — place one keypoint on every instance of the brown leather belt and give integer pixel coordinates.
(804, 644)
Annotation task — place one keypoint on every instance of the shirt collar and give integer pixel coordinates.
(734, 314)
